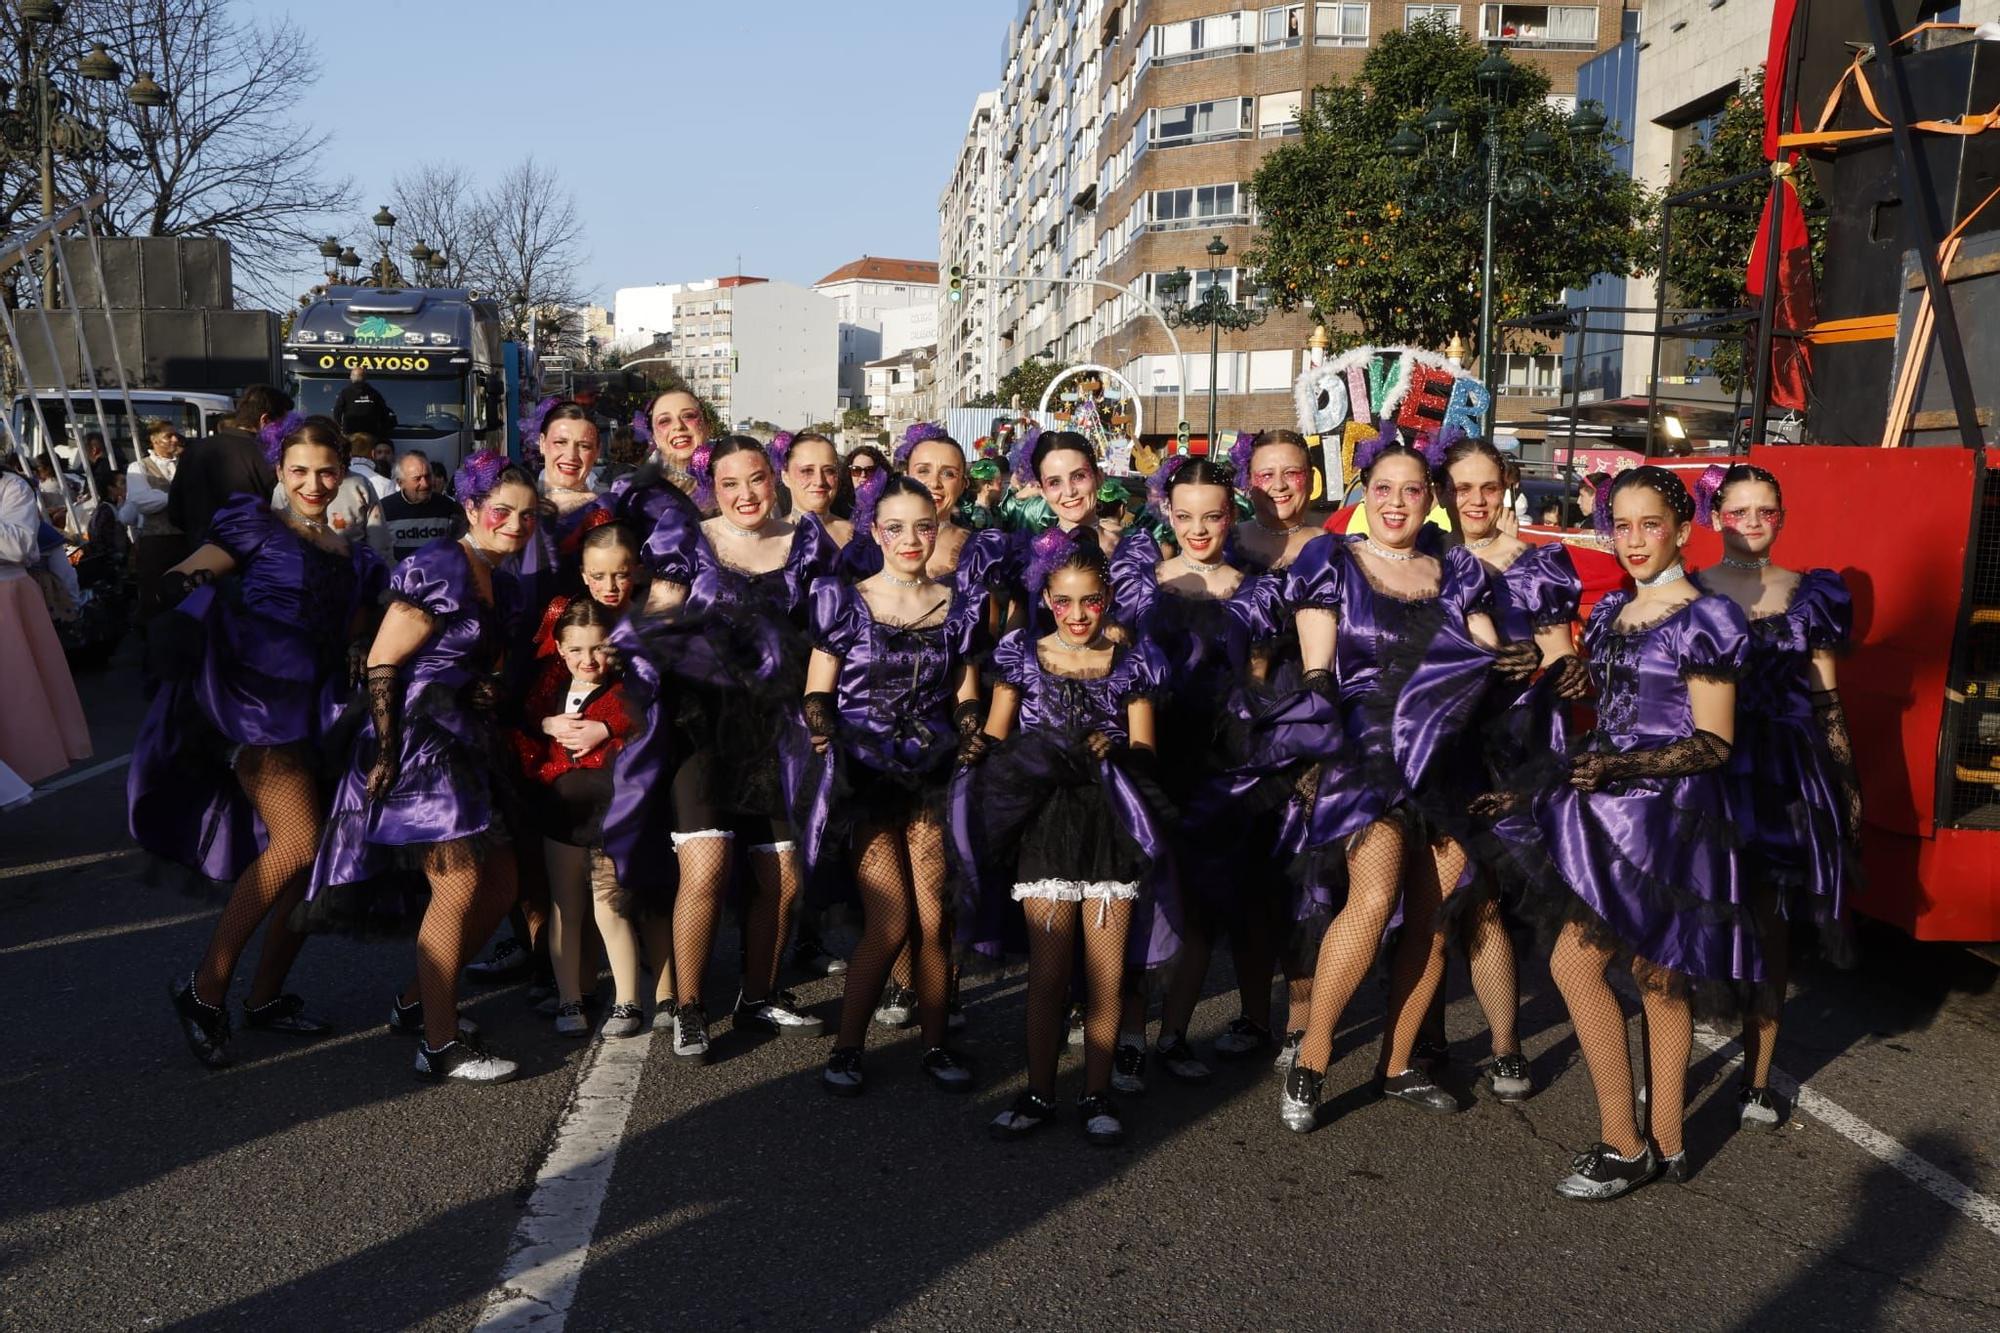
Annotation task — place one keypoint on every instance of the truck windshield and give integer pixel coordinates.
(424, 405)
(117, 431)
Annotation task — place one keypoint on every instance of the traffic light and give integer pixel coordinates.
(955, 288)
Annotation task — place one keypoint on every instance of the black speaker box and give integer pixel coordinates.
(1868, 216)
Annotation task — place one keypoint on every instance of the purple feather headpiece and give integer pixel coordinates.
(1706, 487)
(916, 435)
(1434, 447)
(865, 497)
(273, 434)
(1600, 511)
(642, 426)
(1163, 477)
(1366, 452)
(1239, 456)
(531, 425)
(1048, 550)
(701, 467)
(779, 449)
(476, 476)
(1021, 458)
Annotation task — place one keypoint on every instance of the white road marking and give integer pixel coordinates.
(1940, 1184)
(81, 775)
(111, 932)
(65, 863)
(545, 1258)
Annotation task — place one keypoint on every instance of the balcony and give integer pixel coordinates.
(1236, 219)
(1540, 27)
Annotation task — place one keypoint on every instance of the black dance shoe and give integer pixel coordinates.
(1298, 1104)
(1101, 1126)
(1509, 1078)
(1757, 1110)
(286, 1014)
(1415, 1087)
(463, 1062)
(509, 961)
(1674, 1170)
(1242, 1039)
(1178, 1059)
(1599, 1173)
(842, 1075)
(1029, 1113)
(1288, 1054)
(691, 1033)
(947, 1069)
(811, 958)
(206, 1026)
(898, 1008)
(407, 1020)
(778, 1015)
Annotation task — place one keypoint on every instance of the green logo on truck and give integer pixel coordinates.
(376, 329)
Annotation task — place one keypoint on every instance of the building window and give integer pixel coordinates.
(1199, 39)
(1271, 371)
(1224, 278)
(1540, 27)
(1284, 25)
(1415, 14)
(1528, 376)
(1340, 25)
(1201, 122)
(1277, 113)
(1193, 206)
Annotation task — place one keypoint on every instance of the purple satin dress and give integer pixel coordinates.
(1526, 723)
(449, 751)
(893, 750)
(1041, 807)
(1784, 784)
(1648, 865)
(272, 671)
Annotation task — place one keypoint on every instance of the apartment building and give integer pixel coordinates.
(867, 292)
(1120, 143)
(758, 350)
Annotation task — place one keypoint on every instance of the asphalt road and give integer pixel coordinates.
(322, 1186)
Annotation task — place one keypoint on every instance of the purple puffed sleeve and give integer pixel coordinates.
(982, 563)
(1714, 639)
(836, 616)
(1014, 663)
(371, 574)
(1542, 584)
(242, 525)
(812, 557)
(1317, 579)
(1823, 610)
(1147, 673)
(1258, 607)
(437, 580)
(669, 552)
(1465, 584)
(1135, 582)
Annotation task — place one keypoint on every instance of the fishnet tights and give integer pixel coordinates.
(900, 872)
(1052, 931)
(1760, 1031)
(1489, 952)
(1374, 872)
(1578, 968)
(704, 866)
(769, 921)
(280, 788)
(471, 890)
(1418, 964)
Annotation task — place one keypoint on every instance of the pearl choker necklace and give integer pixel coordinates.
(1673, 573)
(1203, 567)
(1381, 552)
(1754, 562)
(1482, 543)
(901, 582)
(1096, 641)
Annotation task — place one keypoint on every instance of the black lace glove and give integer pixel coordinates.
(822, 713)
(1832, 719)
(385, 693)
(357, 661)
(485, 694)
(1099, 745)
(1493, 804)
(973, 748)
(1517, 661)
(1697, 754)
(176, 584)
(967, 718)
(1320, 681)
(1569, 677)
(1305, 784)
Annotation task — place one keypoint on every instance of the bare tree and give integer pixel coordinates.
(223, 158)
(532, 246)
(439, 204)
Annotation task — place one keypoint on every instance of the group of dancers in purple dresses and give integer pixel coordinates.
(765, 679)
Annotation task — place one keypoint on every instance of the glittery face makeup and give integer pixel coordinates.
(1473, 487)
(812, 475)
(941, 467)
(1397, 499)
(906, 529)
(1077, 599)
(569, 452)
(744, 488)
(678, 426)
(1645, 533)
(505, 520)
(1749, 517)
(1069, 483)
(1199, 516)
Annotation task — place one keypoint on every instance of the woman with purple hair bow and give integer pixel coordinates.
(222, 780)
(419, 782)
(1205, 616)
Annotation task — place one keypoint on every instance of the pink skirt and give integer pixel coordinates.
(42, 730)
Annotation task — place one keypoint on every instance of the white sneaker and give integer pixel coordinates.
(570, 1020)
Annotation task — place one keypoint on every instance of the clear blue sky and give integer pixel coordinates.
(798, 134)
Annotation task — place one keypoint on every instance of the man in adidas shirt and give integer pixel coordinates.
(415, 516)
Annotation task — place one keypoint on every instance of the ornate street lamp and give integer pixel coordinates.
(1438, 179)
(1214, 311)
